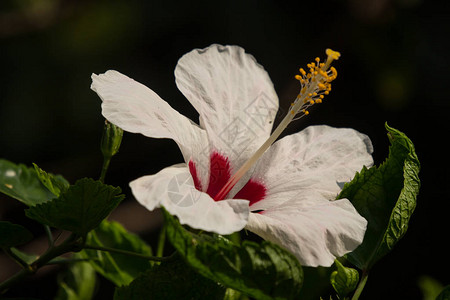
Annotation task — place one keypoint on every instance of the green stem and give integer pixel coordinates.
(106, 161)
(70, 244)
(161, 241)
(17, 259)
(129, 253)
(48, 232)
(361, 285)
(63, 261)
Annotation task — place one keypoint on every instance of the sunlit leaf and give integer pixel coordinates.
(385, 196)
(54, 183)
(344, 280)
(22, 183)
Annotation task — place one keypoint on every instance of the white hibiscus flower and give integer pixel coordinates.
(285, 192)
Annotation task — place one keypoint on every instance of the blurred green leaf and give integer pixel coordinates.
(119, 268)
(13, 235)
(78, 282)
(22, 183)
(79, 209)
(386, 197)
(445, 294)
(430, 287)
(344, 280)
(262, 271)
(231, 294)
(171, 280)
(54, 183)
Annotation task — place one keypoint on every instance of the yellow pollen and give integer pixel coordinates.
(316, 83)
(333, 54)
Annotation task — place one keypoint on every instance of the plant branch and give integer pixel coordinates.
(161, 241)
(361, 285)
(16, 258)
(48, 232)
(69, 245)
(129, 253)
(105, 166)
(62, 261)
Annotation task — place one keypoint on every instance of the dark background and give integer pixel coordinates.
(393, 68)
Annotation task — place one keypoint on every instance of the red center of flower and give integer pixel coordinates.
(220, 173)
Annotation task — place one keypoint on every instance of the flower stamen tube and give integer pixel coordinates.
(314, 85)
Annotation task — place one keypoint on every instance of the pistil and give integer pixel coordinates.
(315, 84)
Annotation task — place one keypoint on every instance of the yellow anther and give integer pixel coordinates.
(305, 112)
(332, 54)
(319, 100)
(317, 59)
(302, 71)
(298, 77)
(312, 101)
(321, 86)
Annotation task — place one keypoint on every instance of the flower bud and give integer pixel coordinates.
(111, 139)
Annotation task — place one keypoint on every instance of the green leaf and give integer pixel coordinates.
(430, 287)
(344, 280)
(262, 271)
(386, 197)
(119, 268)
(171, 280)
(445, 294)
(22, 183)
(78, 282)
(79, 209)
(231, 294)
(54, 183)
(13, 235)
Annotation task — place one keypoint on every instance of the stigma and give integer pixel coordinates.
(315, 84)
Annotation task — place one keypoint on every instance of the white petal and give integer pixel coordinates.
(136, 108)
(173, 188)
(233, 95)
(321, 158)
(314, 229)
